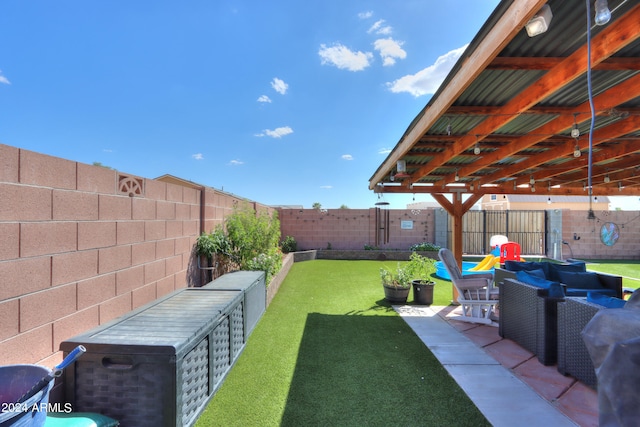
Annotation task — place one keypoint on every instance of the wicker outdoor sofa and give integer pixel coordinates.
(529, 315)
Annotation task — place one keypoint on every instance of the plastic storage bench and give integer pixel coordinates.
(158, 365)
(252, 284)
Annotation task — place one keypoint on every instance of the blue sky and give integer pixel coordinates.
(282, 102)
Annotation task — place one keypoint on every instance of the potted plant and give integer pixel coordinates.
(396, 284)
(420, 270)
(213, 247)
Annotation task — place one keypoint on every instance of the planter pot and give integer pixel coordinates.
(396, 295)
(423, 292)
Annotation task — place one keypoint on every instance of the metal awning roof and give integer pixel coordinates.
(516, 99)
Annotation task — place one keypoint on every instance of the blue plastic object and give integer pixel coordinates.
(15, 381)
(442, 272)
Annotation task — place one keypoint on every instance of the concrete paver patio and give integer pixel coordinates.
(506, 382)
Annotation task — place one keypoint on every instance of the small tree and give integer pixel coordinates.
(317, 206)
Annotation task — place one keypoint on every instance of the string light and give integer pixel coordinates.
(476, 149)
(603, 14)
(575, 132)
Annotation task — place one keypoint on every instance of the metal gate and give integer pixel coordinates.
(524, 227)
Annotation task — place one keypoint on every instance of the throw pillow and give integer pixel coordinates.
(554, 288)
(609, 302)
(527, 266)
(586, 280)
(554, 269)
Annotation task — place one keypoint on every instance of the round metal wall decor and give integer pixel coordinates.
(609, 233)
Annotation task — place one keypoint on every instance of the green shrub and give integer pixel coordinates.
(253, 239)
(289, 244)
(425, 247)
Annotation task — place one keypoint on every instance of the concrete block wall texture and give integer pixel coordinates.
(349, 229)
(588, 243)
(82, 245)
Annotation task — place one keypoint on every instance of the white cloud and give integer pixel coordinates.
(326, 187)
(3, 79)
(384, 151)
(198, 156)
(365, 15)
(390, 50)
(276, 133)
(428, 80)
(379, 28)
(347, 157)
(264, 98)
(236, 163)
(279, 86)
(344, 58)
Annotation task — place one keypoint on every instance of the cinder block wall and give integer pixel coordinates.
(351, 229)
(82, 245)
(587, 243)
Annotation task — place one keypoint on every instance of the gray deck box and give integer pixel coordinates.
(160, 364)
(252, 284)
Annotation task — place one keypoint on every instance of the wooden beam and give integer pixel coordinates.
(605, 44)
(504, 30)
(541, 63)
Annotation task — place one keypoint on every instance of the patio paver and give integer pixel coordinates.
(503, 398)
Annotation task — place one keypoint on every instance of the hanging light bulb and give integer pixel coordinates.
(577, 152)
(606, 179)
(476, 149)
(532, 180)
(457, 177)
(603, 14)
(449, 129)
(620, 186)
(575, 132)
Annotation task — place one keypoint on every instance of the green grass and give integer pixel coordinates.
(629, 270)
(330, 351)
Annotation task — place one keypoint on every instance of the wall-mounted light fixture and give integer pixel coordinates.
(540, 22)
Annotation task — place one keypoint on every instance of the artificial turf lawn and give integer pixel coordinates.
(629, 270)
(330, 351)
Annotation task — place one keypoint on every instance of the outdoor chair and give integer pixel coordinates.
(476, 293)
